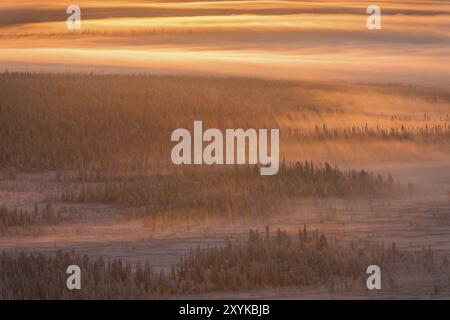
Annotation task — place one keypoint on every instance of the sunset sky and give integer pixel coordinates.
(279, 39)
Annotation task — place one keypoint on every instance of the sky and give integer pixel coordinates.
(323, 40)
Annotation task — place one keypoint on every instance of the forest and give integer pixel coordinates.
(86, 178)
(260, 261)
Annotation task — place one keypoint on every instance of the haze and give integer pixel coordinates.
(324, 40)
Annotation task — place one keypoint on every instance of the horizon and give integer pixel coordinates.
(271, 39)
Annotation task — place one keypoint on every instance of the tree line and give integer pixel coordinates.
(262, 260)
(224, 190)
